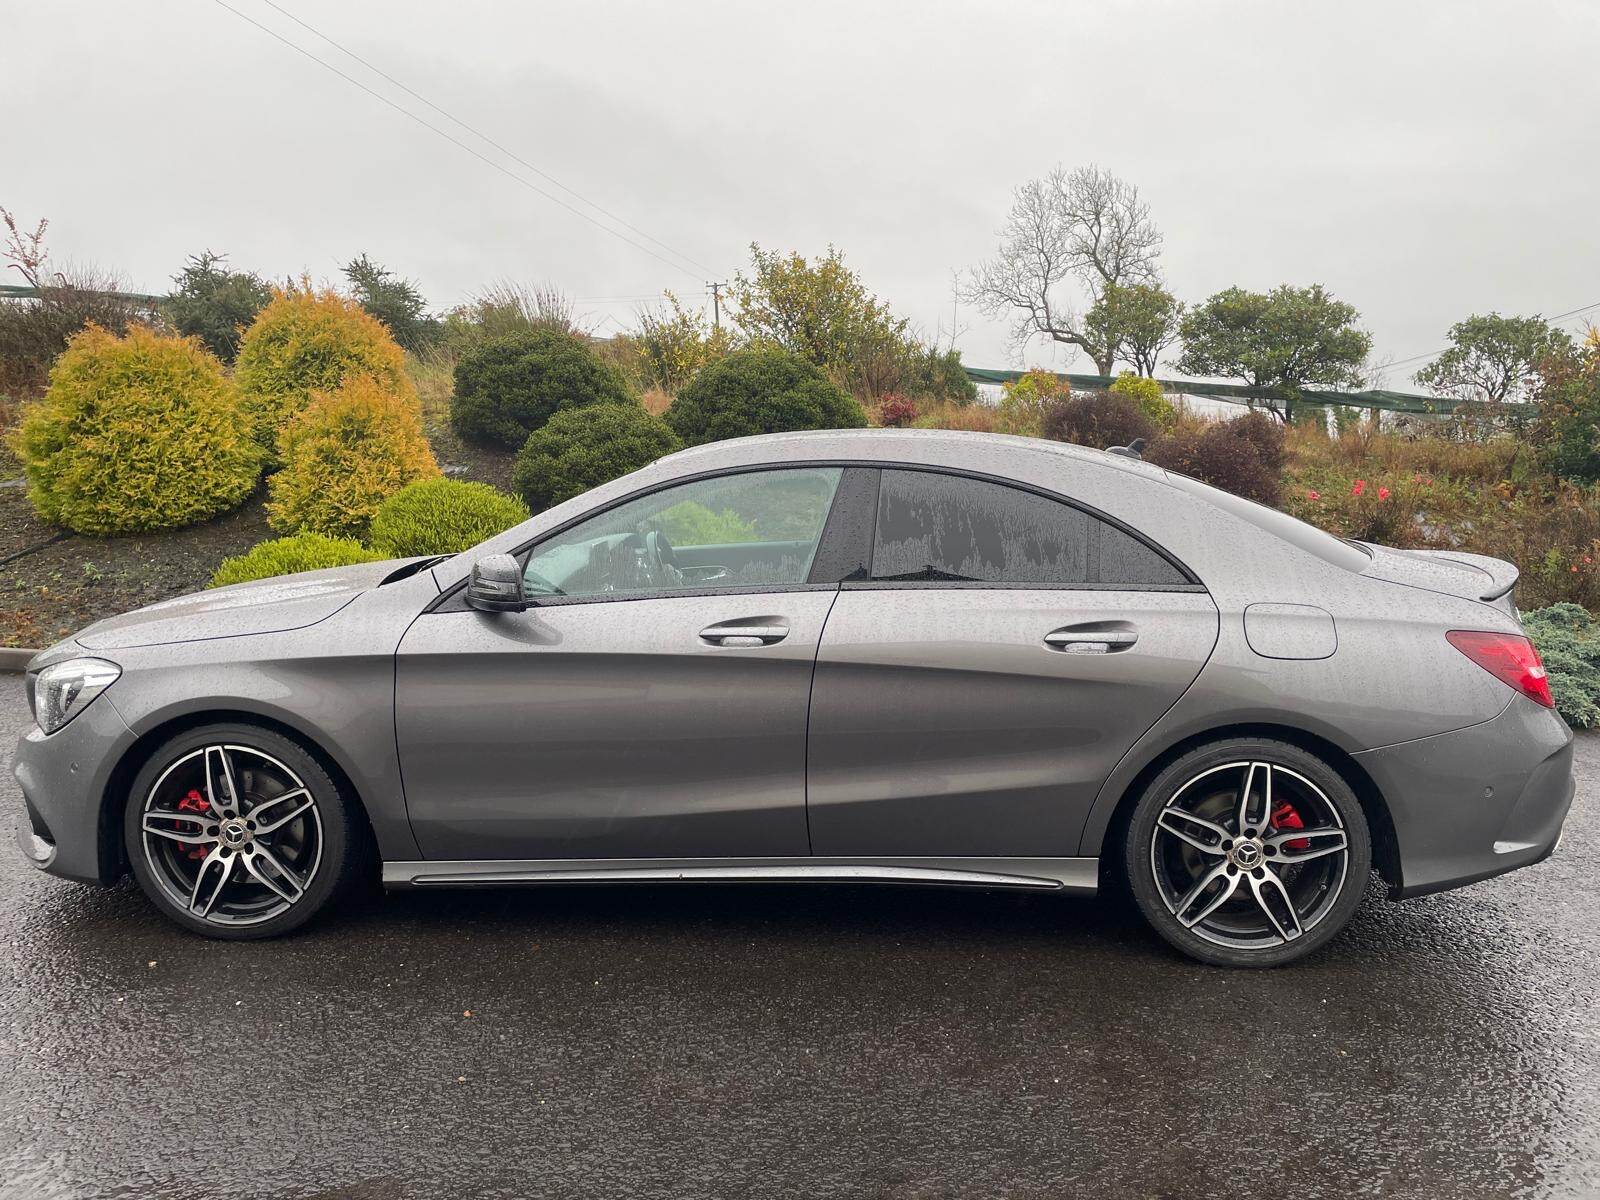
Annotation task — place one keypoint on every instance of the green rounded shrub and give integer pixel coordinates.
(289, 555)
(1147, 394)
(309, 341)
(136, 433)
(442, 516)
(760, 391)
(347, 453)
(509, 386)
(583, 448)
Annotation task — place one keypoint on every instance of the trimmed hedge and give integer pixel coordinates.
(290, 555)
(347, 453)
(510, 386)
(309, 341)
(760, 391)
(136, 433)
(442, 516)
(583, 448)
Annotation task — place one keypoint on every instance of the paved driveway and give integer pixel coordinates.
(790, 1041)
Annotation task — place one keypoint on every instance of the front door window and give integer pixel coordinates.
(755, 529)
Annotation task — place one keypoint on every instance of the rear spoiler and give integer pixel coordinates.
(1502, 575)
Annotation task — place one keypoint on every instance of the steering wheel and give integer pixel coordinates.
(657, 559)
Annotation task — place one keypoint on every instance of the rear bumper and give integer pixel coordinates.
(1478, 802)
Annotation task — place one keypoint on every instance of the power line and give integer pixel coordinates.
(1547, 320)
(625, 299)
(509, 174)
(511, 154)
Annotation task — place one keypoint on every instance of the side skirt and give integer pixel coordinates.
(1078, 875)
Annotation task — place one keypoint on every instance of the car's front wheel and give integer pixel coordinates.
(1248, 852)
(237, 832)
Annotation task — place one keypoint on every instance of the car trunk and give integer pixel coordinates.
(1454, 573)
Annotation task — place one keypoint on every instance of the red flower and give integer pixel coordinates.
(1313, 494)
(1574, 570)
(1361, 486)
(1383, 493)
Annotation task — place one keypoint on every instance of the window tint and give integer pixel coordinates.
(934, 527)
(752, 529)
(1124, 559)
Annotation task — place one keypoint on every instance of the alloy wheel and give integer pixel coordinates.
(1249, 855)
(231, 834)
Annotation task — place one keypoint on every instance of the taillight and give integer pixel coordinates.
(1509, 657)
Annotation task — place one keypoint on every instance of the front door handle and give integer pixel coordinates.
(1090, 641)
(735, 636)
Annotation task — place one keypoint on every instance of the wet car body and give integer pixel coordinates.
(914, 729)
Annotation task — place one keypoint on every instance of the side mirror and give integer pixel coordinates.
(496, 585)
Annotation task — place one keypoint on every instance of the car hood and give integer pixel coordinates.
(265, 606)
(1472, 576)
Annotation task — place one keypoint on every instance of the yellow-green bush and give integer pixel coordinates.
(1021, 410)
(288, 555)
(442, 516)
(347, 453)
(136, 433)
(1146, 393)
(308, 341)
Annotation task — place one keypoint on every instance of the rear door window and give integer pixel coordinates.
(939, 528)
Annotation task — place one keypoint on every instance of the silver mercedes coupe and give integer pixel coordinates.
(914, 657)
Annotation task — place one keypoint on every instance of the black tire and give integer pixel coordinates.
(320, 846)
(1253, 926)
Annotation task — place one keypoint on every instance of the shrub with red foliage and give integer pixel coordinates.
(1096, 419)
(896, 411)
(1243, 456)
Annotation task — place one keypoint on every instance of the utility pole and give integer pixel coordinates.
(716, 304)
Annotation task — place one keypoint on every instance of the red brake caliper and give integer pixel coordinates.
(196, 803)
(1284, 816)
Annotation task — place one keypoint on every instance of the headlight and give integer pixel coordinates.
(63, 690)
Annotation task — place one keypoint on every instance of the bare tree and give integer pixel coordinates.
(1085, 225)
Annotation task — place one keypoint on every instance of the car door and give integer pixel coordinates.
(1008, 648)
(651, 703)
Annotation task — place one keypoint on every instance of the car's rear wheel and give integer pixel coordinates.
(1249, 853)
(235, 831)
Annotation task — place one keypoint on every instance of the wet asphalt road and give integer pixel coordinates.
(783, 1041)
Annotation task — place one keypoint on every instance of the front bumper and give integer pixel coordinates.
(64, 778)
(1477, 802)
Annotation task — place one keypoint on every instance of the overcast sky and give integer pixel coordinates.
(1423, 161)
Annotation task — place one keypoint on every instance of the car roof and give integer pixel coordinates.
(905, 445)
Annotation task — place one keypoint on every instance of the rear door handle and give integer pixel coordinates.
(1090, 641)
(734, 636)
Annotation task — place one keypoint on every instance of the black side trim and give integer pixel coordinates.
(884, 585)
(845, 552)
